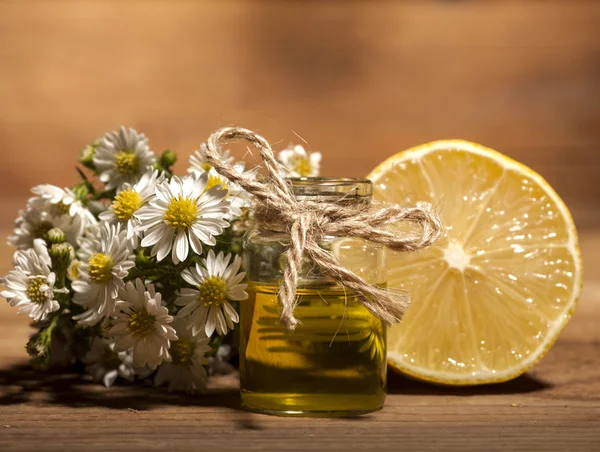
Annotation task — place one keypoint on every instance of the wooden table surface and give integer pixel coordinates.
(554, 406)
(359, 81)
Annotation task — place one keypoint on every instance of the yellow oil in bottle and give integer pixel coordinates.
(332, 364)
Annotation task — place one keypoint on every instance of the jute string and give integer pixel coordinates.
(307, 221)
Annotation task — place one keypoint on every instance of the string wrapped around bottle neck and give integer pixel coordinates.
(307, 221)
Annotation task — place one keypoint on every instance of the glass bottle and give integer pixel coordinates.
(334, 362)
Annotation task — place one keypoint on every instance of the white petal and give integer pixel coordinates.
(231, 312)
(211, 322)
(163, 247)
(188, 308)
(238, 292)
(195, 242)
(221, 324)
(181, 246)
(154, 235)
(188, 278)
(109, 378)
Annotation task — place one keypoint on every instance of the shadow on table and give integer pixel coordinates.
(399, 384)
(21, 384)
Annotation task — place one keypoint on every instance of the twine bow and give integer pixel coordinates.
(307, 221)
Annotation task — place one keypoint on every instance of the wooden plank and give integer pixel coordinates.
(556, 406)
(358, 80)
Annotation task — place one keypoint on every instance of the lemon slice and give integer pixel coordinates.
(491, 297)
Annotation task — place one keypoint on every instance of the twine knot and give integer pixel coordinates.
(306, 222)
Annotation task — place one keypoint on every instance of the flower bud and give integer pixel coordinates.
(168, 158)
(86, 157)
(81, 191)
(37, 346)
(55, 236)
(61, 255)
(62, 250)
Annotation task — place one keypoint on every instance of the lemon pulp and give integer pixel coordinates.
(492, 296)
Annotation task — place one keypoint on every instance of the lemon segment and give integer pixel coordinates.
(491, 297)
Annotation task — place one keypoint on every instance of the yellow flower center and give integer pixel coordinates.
(215, 180)
(62, 208)
(126, 203)
(181, 213)
(206, 166)
(127, 163)
(73, 270)
(100, 268)
(141, 324)
(182, 351)
(33, 289)
(212, 291)
(301, 166)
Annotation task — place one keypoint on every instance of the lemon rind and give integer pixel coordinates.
(487, 377)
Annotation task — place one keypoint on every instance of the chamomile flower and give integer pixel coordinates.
(129, 200)
(40, 217)
(73, 269)
(297, 162)
(219, 363)
(237, 196)
(88, 241)
(199, 162)
(215, 282)
(60, 201)
(183, 214)
(122, 156)
(105, 260)
(187, 370)
(30, 286)
(141, 323)
(106, 365)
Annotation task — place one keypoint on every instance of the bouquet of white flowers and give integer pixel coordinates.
(135, 272)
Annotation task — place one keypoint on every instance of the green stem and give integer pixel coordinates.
(144, 273)
(60, 280)
(52, 325)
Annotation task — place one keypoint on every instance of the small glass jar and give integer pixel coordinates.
(334, 362)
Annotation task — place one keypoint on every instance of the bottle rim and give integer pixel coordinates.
(333, 181)
(337, 187)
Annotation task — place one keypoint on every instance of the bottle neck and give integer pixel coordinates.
(343, 191)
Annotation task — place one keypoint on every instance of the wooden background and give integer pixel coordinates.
(358, 81)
